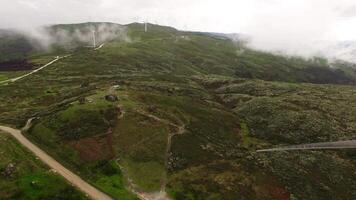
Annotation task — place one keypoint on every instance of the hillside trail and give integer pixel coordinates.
(348, 144)
(90, 191)
(159, 195)
(72, 178)
(12, 80)
(180, 129)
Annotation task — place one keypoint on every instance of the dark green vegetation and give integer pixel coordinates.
(192, 110)
(14, 46)
(24, 177)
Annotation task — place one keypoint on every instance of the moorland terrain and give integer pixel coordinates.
(176, 112)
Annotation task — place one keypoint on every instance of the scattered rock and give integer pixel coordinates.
(82, 100)
(116, 87)
(170, 90)
(90, 100)
(9, 170)
(111, 98)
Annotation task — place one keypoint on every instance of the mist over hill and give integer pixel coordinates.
(345, 50)
(17, 44)
(72, 37)
(178, 100)
(176, 115)
(251, 63)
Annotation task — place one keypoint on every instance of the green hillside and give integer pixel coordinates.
(25, 177)
(192, 109)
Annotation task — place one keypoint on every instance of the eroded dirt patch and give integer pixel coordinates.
(94, 148)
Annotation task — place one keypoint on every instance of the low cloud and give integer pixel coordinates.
(303, 28)
(72, 37)
(295, 27)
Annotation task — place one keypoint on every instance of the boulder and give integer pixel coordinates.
(111, 98)
(9, 170)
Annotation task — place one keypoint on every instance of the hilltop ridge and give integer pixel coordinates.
(181, 114)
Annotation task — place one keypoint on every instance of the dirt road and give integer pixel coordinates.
(99, 47)
(349, 144)
(72, 178)
(34, 71)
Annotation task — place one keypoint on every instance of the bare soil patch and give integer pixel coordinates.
(94, 148)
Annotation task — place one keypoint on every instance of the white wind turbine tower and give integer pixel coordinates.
(94, 39)
(145, 26)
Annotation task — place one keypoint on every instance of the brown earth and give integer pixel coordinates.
(95, 148)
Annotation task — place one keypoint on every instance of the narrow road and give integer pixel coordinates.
(349, 144)
(34, 71)
(99, 47)
(75, 180)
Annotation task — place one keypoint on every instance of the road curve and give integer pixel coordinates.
(72, 178)
(348, 144)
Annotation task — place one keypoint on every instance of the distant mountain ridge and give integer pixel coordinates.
(227, 53)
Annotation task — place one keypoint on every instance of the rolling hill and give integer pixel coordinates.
(190, 112)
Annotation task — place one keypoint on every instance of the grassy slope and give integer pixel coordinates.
(31, 179)
(77, 136)
(192, 80)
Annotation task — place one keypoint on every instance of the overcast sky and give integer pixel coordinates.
(272, 23)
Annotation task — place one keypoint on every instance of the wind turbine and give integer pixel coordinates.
(145, 26)
(94, 39)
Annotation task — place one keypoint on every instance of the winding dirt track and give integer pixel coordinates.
(34, 71)
(75, 180)
(72, 178)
